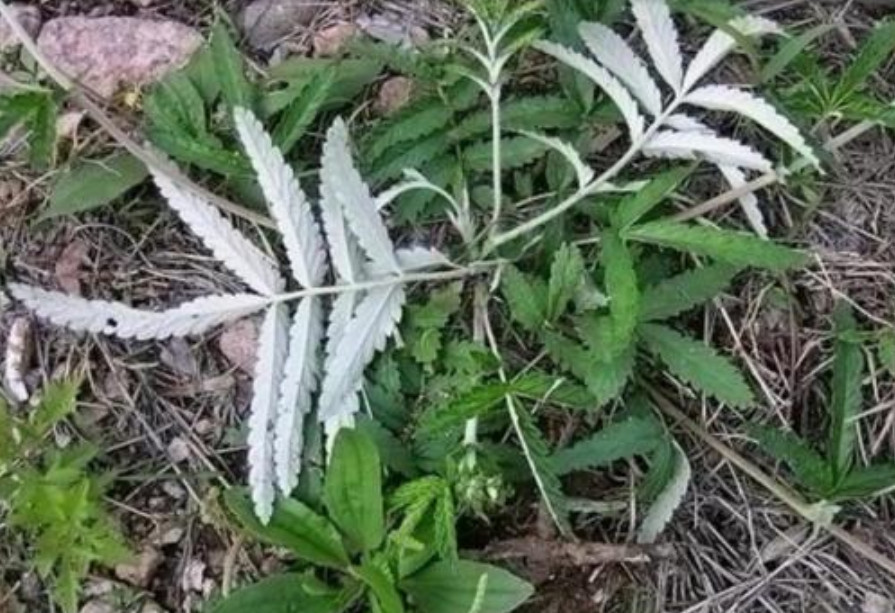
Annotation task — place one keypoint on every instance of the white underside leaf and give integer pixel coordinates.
(273, 346)
(693, 145)
(421, 258)
(660, 35)
(340, 316)
(375, 320)
(228, 245)
(614, 53)
(345, 184)
(720, 43)
(668, 501)
(603, 78)
(288, 204)
(299, 383)
(736, 178)
(584, 172)
(117, 319)
(724, 98)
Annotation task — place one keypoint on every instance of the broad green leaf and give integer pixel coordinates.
(685, 291)
(450, 587)
(381, 587)
(736, 248)
(395, 455)
(566, 277)
(623, 439)
(17, 108)
(351, 76)
(697, 364)
(790, 50)
(299, 115)
(886, 351)
(634, 207)
(94, 183)
(353, 489)
(235, 87)
(875, 50)
(293, 525)
(621, 287)
(526, 297)
(806, 464)
(202, 73)
(660, 472)
(865, 481)
(42, 128)
(277, 594)
(845, 403)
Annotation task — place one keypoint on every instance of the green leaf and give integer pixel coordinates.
(446, 587)
(411, 124)
(94, 183)
(669, 499)
(623, 439)
(528, 113)
(351, 76)
(176, 105)
(660, 472)
(277, 594)
(737, 248)
(381, 586)
(394, 453)
(445, 518)
(235, 87)
(516, 152)
(685, 291)
(299, 115)
(293, 525)
(202, 73)
(206, 153)
(566, 277)
(790, 50)
(875, 50)
(42, 137)
(634, 207)
(526, 298)
(621, 287)
(886, 350)
(845, 404)
(866, 481)
(17, 108)
(58, 401)
(806, 464)
(605, 379)
(697, 364)
(353, 489)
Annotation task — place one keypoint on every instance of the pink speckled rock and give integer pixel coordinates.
(105, 53)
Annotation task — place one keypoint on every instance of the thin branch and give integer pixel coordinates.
(783, 493)
(150, 159)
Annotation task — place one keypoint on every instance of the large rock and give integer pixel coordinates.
(27, 16)
(105, 53)
(266, 22)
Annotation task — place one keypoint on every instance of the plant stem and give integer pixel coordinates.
(479, 315)
(496, 161)
(474, 269)
(588, 190)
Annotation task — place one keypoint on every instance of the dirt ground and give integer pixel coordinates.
(169, 414)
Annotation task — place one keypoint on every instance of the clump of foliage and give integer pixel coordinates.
(49, 496)
(833, 475)
(397, 553)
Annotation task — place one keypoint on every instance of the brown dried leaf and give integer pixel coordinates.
(239, 344)
(68, 267)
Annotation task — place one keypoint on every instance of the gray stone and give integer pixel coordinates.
(267, 22)
(106, 53)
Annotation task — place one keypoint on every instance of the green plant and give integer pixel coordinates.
(833, 475)
(396, 559)
(35, 111)
(370, 275)
(49, 496)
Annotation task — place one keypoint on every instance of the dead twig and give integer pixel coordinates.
(564, 553)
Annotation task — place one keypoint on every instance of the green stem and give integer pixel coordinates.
(588, 190)
(496, 154)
